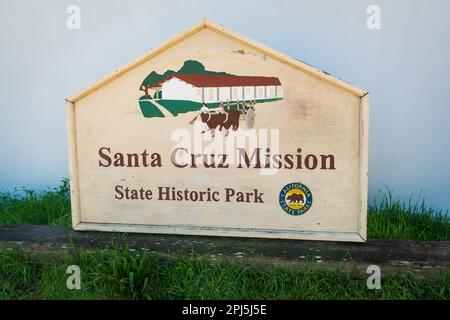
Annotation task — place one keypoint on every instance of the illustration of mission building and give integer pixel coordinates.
(207, 88)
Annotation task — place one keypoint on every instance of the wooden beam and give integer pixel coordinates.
(393, 256)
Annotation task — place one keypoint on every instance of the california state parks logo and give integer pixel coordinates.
(295, 198)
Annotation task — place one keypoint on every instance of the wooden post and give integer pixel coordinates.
(364, 165)
(73, 164)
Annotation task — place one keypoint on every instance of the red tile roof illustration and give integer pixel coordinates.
(208, 80)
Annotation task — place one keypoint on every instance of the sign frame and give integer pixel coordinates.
(359, 236)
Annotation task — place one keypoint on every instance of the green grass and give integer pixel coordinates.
(149, 110)
(176, 107)
(122, 274)
(389, 218)
(392, 218)
(51, 206)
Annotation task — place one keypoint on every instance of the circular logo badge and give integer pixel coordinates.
(295, 198)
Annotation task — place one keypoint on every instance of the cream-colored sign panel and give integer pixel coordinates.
(214, 134)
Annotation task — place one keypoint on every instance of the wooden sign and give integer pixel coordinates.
(214, 134)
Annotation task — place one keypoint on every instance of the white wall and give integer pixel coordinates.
(260, 92)
(210, 94)
(224, 93)
(179, 90)
(249, 93)
(279, 92)
(404, 66)
(236, 93)
(175, 89)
